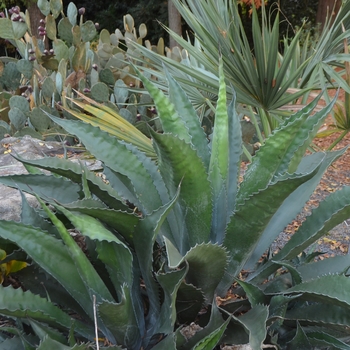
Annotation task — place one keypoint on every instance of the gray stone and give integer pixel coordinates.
(28, 148)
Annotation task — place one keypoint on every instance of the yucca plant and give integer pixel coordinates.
(261, 75)
(165, 241)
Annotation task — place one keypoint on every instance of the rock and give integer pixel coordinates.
(28, 148)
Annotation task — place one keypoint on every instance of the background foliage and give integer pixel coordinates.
(110, 15)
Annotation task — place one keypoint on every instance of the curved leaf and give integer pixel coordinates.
(170, 283)
(116, 251)
(189, 117)
(45, 186)
(331, 314)
(272, 159)
(264, 205)
(179, 163)
(114, 154)
(120, 319)
(48, 252)
(207, 263)
(168, 116)
(145, 236)
(292, 205)
(226, 150)
(93, 282)
(331, 289)
(254, 321)
(123, 222)
(330, 212)
(16, 303)
(334, 265)
(73, 171)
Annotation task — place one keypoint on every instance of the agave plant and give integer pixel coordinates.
(166, 241)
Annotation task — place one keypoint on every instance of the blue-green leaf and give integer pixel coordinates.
(114, 153)
(330, 212)
(263, 205)
(16, 303)
(254, 321)
(332, 289)
(189, 117)
(272, 159)
(60, 189)
(179, 163)
(48, 252)
(294, 203)
(121, 321)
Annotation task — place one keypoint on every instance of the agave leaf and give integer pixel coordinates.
(170, 283)
(296, 276)
(337, 264)
(300, 340)
(332, 289)
(31, 217)
(313, 123)
(94, 284)
(16, 303)
(154, 174)
(210, 334)
(35, 279)
(48, 343)
(254, 321)
(113, 153)
(122, 185)
(46, 186)
(272, 159)
(87, 203)
(330, 212)
(168, 115)
(264, 205)
(189, 117)
(48, 252)
(179, 163)
(189, 302)
(121, 321)
(73, 171)
(277, 309)
(116, 255)
(293, 204)
(144, 238)
(331, 314)
(218, 169)
(24, 341)
(254, 294)
(108, 120)
(167, 343)
(12, 343)
(324, 339)
(211, 340)
(90, 277)
(123, 222)
(224, 161)
(42, 330)
(212, 259)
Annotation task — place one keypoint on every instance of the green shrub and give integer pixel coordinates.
(164, 238)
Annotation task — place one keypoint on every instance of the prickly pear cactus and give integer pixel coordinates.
(61, 57)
